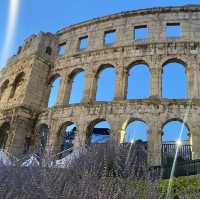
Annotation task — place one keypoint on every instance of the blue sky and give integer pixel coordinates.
(52, 15)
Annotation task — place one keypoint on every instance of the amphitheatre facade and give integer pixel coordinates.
(25, 82)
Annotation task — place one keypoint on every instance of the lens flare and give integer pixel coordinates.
(178, 145)
(179, 142)
(10, 30)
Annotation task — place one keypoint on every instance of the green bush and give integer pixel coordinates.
(182, 186)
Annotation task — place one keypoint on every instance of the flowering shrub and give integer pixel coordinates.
(99, 172)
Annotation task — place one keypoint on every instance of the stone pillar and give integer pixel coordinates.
(53, 140)
(192, 78)
(120, 39)
(20, 128)
(154, 146)
(161, 29)
(116, 128)
(156, 82)
(90, 87)
(122, 136)
(187, 30)
(64, 90)
(80, 139)
(120, 84)
(195, 140)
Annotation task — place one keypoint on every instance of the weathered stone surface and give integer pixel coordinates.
(27, 108)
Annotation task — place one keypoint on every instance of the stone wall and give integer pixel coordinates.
(40, 67)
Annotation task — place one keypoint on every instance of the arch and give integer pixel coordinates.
(4, 132)
(17, 83)
(48, 50)
(138, 74)
(175, 119)
(178, 127)
(4, 86)
(105, 91)
(66, 136)
(174, 59)
(174, 79)
(175, 142)
(98, 131)
(76, 82)
(136, 62)
(54, 85)
(53, 78)
(136, 130)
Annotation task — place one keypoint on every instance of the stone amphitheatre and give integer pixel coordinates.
(25, 82)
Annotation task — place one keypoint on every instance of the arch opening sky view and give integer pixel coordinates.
(51, 15)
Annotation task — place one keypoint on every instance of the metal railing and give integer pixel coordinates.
(184, 152)
(185, 168)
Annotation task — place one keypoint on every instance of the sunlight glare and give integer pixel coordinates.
(10, 30)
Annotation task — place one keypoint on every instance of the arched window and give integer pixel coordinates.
(174, 80)
(48, 50)
(136, 130)
(4, 131)
(19, 80)
(105, 83)
(77, 87)
(175, 130)
(175, 137)
(98, 132)
(55, 85)
(4, 87)
(138, 82)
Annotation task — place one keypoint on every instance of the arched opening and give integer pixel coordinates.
(4, 131)
(43, 133)
(54, 88)
(138, 84)
(175, 134)
(105, 83)
(4, 87)
(48, 50)
(19, 80)
(136, 130)
(174, 80)
(98, 132)
(66, 138)
(77, 81)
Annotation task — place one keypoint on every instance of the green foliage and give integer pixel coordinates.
(188, 186)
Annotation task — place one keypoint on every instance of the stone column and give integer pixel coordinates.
(195, 140)
(154, 146)
(64, 90)
(90, 87)
(187, 30)
(161, 28)
(20, 128)
(53, 139)
(80, 139)
(99, 40)
(192, 78)
(120, 84)
(116, 128)
(120, 39)
(156, 82)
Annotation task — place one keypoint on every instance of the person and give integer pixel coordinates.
(42, 141)
(27, 144)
